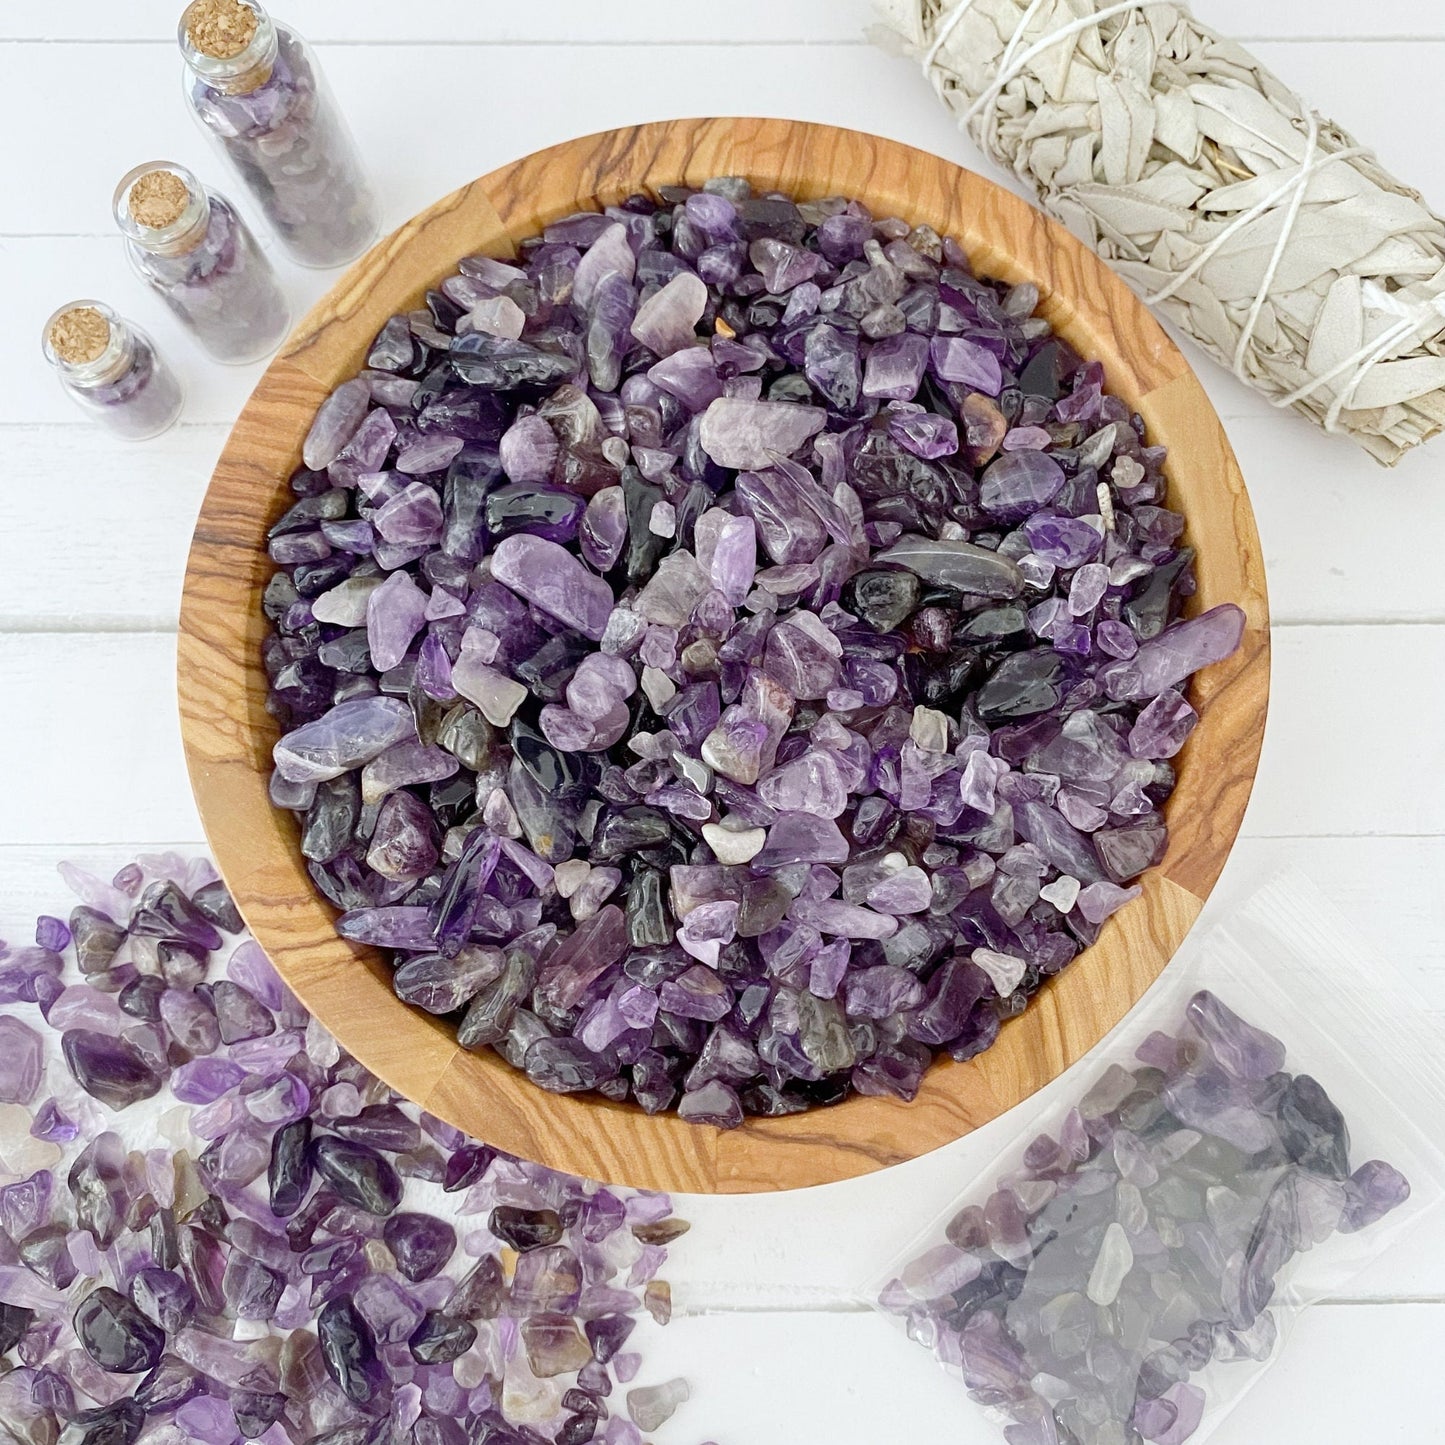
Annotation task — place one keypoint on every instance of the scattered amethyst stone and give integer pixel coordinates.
(1145, 1241)
(113, 1070)
(349, 1350)
(729, 654)
(21, 1061)
(252, 1274)
(116, 1335)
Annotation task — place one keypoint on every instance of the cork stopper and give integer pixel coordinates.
(221, 29)
(158, 200)
(80, 335)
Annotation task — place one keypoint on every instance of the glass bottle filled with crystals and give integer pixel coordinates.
(111, 369)
(190, 245)
(257, 91)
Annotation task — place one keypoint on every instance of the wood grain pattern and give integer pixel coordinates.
(228, 735)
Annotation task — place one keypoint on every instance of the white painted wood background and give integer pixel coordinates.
(93, 536)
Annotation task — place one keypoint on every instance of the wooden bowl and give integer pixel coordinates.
(228, 733)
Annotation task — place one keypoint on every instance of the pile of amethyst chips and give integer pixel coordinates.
(221, 1227)
(730, 653)
(1086, 1299)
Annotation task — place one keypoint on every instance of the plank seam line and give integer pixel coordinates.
(88, 626)
(150, 847)
(101, 625)
(811, 42)
(700, 1307)
(80, 426)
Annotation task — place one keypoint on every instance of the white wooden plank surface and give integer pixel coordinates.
(612, 22)
(565, 91)
(470, 120)
(84, 699)
(1346, 1376)
(92, 538)
(60, 567)
(748, 1253)
(569, 90)
(1329, 518)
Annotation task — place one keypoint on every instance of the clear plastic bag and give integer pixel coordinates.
(1254, 1133)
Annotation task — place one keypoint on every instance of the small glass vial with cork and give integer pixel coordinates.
(189, 245)
(111, 369)
(258, 93)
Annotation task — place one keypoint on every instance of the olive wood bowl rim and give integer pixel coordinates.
(228, 734)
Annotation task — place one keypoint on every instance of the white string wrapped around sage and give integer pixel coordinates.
(1257, 227)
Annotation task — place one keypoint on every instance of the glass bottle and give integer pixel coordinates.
(190, 245)
(111, 369)
(258, 93)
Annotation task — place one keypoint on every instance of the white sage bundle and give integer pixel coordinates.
(1257, 227)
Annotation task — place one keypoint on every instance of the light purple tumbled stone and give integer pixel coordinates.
(1099, 900)
(712, 921)
(789, 531)
(676, 586)
(604, 528)
(924, 433)
(598, 886)
(366, 451)
(1246, 1051)
(609, 254)
(249, 966)
(667, 320)
(895, 366)
(529, 450)
(427, 453)
(690, 375)
(907, 891)
(812, 783)
(735, 746)
(802, 838)
(1087, 589)
(1161, 729)
(714, 1103)
(337, 420)
(566, 730)
(783, 265)
(1019, 483)
(955, 358)
(411, 518)
(1176, 654)
(803, 657)
(1116, 639)
(22, 1060)
(979, 784)
(828, 967)
(881, 990)
(404, 764)
(845, 920)
(749, 434)
(203, 1081)
(83, 1007)
(1371, 1192)
(395, 613)
(351, 734)
(590, 695)
(1171, 1418)
(696, 993)
(734, 561)
(549, 576)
